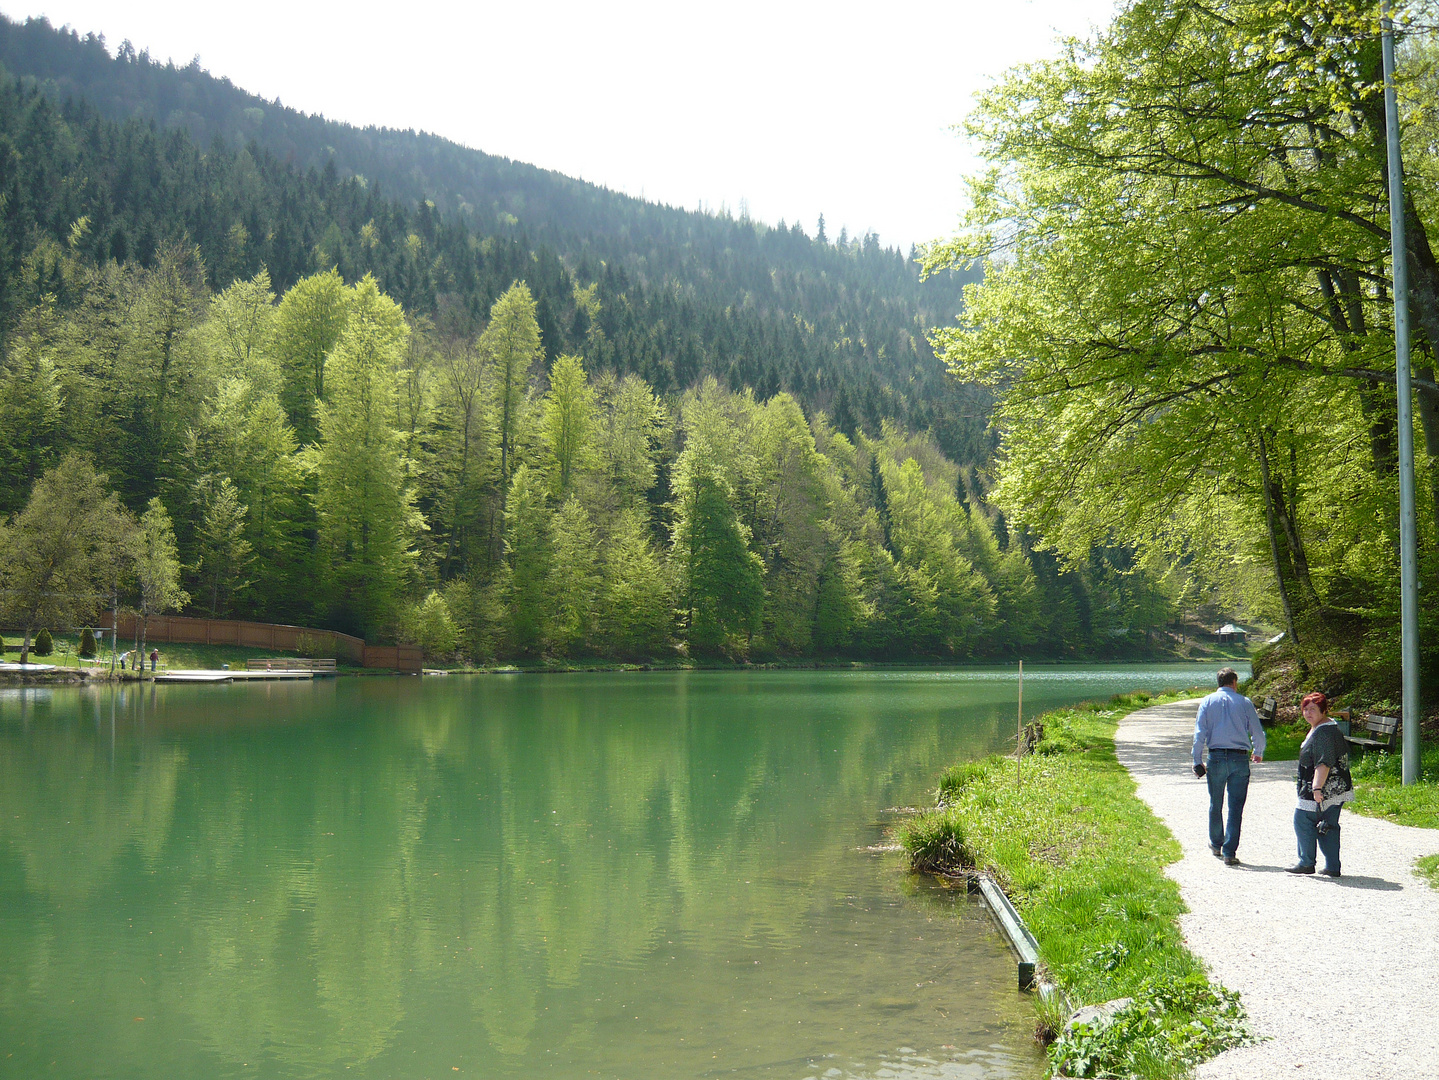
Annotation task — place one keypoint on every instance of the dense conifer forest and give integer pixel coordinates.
(376, 381)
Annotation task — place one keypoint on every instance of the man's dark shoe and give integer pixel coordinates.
(1216, 852)
(1300, 868)
(1231, 860)
(1329, 873)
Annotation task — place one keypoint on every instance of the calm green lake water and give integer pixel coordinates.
(620, 876)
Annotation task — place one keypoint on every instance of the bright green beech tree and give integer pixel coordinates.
(1185, 313)
(306, 327)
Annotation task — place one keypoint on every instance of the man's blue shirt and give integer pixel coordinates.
(1227, 721)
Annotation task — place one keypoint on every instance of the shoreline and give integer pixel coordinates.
(1084, 861)
(82, 675)
(801, 664)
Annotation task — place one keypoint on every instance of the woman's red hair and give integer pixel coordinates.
(1316, 698)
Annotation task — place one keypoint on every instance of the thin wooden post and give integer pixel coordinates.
(1019, 727)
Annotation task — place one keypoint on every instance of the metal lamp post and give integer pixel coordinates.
(1408, 541)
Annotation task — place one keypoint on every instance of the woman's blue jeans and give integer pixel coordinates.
(1306, 830)
(1228, 771)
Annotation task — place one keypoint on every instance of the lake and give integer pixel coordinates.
(628, 876)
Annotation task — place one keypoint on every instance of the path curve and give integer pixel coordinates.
(1258, 928)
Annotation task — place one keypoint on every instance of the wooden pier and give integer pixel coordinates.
(211, 676)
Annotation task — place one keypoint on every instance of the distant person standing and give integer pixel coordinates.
(1228, 724)
(154, 659)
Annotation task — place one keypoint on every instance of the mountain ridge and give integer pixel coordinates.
(132, 85)
(680, 294)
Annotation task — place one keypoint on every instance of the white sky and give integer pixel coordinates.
(795, 108)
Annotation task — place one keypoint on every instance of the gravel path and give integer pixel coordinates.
(1376, 1017)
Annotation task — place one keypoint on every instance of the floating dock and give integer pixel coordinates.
(211, 676)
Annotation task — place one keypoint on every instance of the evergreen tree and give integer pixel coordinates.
(636, 610)
(157, 566)
(574, 578)
(950, 604)
(224, 551)
(510, 344)
(365, 512)
(838, 599)
(31, 412)
(724, 579)
(527, 546)
(569, 424)
(461, 455)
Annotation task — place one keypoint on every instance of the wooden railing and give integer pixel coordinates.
(291, 663)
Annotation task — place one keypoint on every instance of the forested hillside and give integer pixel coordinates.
(327, 405)
(840, 324)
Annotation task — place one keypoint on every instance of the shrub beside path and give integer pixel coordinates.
(1340, 977)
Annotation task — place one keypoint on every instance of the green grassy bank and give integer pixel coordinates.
(1083, 859)
(173, 655)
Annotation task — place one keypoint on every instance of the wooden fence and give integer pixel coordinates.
(259, 635)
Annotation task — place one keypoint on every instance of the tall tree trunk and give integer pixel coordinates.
(25, 646)
(1429, 421)
(459, 497)
(1269, 518)
(1344, 296)
(1286, 506)
(1380, 412)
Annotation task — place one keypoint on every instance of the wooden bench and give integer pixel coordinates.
(291, 663)
(1268, 711)
(1375, 732)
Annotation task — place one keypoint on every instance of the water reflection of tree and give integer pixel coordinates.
(343, 880)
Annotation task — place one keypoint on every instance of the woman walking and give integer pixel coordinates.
(1324, 786)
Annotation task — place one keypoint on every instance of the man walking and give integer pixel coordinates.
(1229, 726)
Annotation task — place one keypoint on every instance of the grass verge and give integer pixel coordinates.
(1083, 859)
(1379, 790)
(1428, 868)
(1281, 742)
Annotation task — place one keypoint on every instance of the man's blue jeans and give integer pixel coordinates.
(1228, 770)
(1310, 837)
